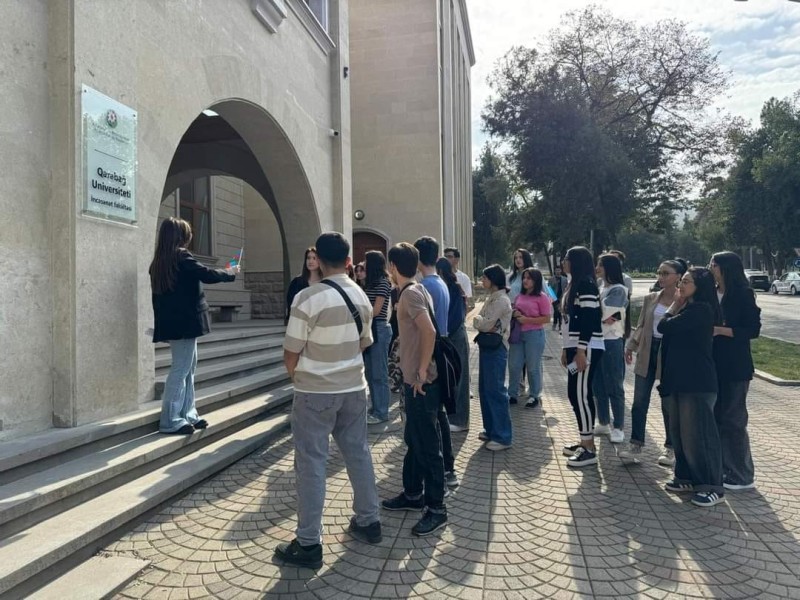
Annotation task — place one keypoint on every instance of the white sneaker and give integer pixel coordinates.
(631, 452)
(617, 436)
(457, 428)
(497, 446)
(739, 486)
(602, 430)
(667, 458)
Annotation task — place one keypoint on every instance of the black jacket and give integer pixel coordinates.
(183, 312)
(732, 355)
(296, 285)
(687, 362)
(585, 317)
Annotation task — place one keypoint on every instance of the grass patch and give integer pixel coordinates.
(776, 357)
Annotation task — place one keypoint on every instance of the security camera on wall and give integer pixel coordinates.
(333, 133)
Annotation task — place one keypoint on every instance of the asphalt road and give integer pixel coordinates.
(780, 315)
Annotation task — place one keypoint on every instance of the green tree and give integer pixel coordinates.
(607, 123)
(492, 201)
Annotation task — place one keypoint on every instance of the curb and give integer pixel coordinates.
(776, 380)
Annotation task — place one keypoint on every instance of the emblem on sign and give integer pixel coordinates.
(111, 119)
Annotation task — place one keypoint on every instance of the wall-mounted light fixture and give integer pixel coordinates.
(359, 215)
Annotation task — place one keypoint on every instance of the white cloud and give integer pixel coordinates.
(759, 41)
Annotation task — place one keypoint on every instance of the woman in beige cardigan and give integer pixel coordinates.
(646, 343)
(494, 318)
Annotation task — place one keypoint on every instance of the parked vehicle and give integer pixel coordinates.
(789, 282)
(759, 280)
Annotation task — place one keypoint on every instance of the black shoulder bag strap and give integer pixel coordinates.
(350, 306)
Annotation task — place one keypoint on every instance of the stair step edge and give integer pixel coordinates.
(53, 540)
(46, 487)
(22, 451)
(204, 373)
(98, 577)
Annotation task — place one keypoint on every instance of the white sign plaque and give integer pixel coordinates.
(109, 138)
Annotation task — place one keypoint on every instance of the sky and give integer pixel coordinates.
(758, 42)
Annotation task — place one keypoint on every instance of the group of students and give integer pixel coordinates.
(693, 336)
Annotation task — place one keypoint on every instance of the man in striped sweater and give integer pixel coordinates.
(322, 354)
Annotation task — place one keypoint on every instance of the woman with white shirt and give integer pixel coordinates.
(609, 383)
(645, 341)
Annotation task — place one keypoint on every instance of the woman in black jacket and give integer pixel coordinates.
(310, 275)
(181, 316)
(741, 322)
(689, 387)
(583, 349)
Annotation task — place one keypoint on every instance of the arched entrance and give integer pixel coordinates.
(364, 241)
(236, 177)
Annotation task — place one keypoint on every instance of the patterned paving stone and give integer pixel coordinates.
(522, 525)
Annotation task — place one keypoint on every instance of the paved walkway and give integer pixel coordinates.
(521, 525)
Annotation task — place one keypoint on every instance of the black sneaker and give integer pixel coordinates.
(371, 534)
(451, 479)
(569, 450)
(429, 523)
(201, 424)
(402, 502)
(512, 400)
(301, 556)
(532, 403)
(583, 457)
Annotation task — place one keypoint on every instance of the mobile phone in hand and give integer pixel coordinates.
(572, 367)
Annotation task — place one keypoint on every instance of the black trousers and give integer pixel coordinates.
(579, 391)
(423, 467)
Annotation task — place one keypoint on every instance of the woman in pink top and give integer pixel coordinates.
(532, 310)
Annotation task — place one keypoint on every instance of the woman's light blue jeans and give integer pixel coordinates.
(376, 365)
(177, 404)
(529, 353)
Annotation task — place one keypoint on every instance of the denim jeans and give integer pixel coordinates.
(314, 418)
(730, 413)
(461, 416)
(527, 353)
(177, 403)
(698, 455)
(608, 385)
(376, 366)
(642, 389)
(423, 466)
(494, 395)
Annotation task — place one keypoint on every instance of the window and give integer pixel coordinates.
(320, 10)
(194, 202)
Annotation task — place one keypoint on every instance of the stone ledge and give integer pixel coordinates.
(763, 375)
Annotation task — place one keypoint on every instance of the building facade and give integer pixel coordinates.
(410, 68)
(236, 107)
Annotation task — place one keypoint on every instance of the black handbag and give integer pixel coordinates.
(488, 341)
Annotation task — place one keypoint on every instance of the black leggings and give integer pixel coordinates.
(579, 391)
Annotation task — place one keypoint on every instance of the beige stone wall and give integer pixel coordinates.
(26, 294)
(76, 304)
(411, 124)
(397, 173)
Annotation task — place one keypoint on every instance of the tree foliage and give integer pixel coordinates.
(604, 124)
(758, 202)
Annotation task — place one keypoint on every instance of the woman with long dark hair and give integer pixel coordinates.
(741, 322)
(689, 385)
(457, 312)
(376, 357)
(531, 309)
(520, 261)
(645, 341)
(494, 318)
(310, 275)
(361, 274)
(609, 382)
(583, 349)
(181, 316)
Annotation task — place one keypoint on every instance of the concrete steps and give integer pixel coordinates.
(25, 556)
(66, 492)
